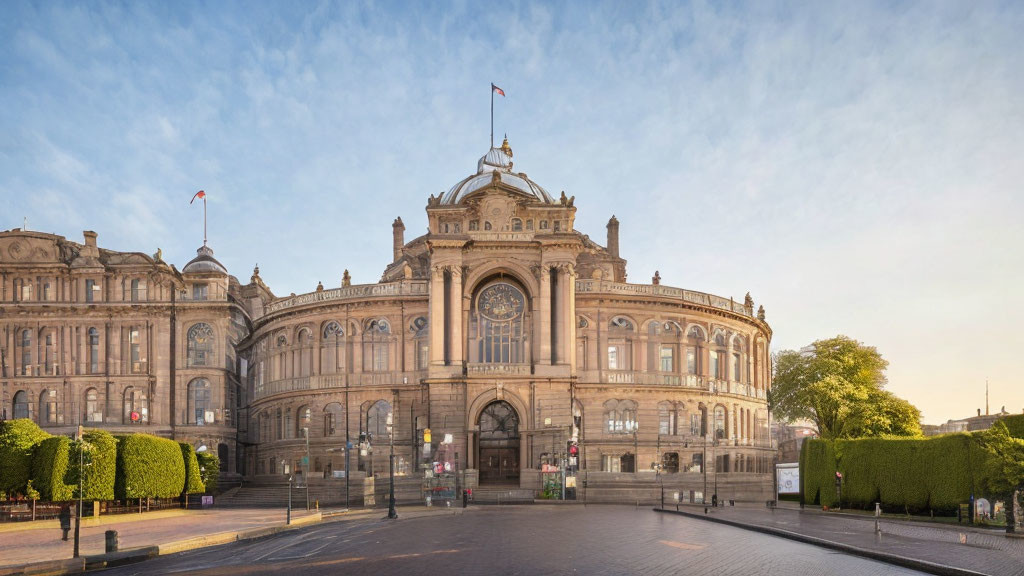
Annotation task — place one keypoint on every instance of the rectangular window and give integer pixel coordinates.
(666, 358)
(558, 225)
(715, 365)
(613, 358)
(26, 292)
(46, 291)
(90, 290)
(200, 291)
(695, 424)
(611, 463)
(691, 361)
(133, 352)
(737, 374)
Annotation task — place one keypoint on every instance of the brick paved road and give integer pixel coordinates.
(519, 540)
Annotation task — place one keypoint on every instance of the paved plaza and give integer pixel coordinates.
(519, 540)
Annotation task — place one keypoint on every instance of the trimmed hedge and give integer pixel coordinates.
(210, 464)
(17, 438)
(905, 474)
(50, 467)
(1015, 424)
(193, 479)
(100, 469)
(148, 467)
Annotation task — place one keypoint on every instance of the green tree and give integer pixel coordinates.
(1003, 470)
(839, 386)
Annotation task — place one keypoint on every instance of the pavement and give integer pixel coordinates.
(928, 547)
(36, 547)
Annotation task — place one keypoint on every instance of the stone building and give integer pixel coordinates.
(503, 330)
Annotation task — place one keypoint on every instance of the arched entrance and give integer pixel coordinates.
(499, 444)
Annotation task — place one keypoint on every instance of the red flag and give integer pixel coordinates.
(496, 89)
(199, 194)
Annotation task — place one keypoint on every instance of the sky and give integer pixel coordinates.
(855, 166)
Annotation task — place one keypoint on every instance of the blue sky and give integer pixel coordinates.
(856, 166)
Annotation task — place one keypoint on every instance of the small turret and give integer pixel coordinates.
(613, 236)
(398, 237)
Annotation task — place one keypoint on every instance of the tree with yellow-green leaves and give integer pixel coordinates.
(839, 385)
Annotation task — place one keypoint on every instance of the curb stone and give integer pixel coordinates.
(921, 565)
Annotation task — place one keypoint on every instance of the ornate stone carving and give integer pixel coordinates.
(346, 279)
(760, 313)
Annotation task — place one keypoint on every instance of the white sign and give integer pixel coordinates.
(789, 478)
(338, 473)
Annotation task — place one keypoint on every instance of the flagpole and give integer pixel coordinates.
(492, 115)
(204, 219)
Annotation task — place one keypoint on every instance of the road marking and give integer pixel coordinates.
(683, 545)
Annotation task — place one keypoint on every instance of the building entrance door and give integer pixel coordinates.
(499, 444)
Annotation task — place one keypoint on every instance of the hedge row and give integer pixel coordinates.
(193, 478)
(148, 467)
(50, 467)
(1015, 424)
(131, 466)
(908, 474)
(17, 439)
(209, 464)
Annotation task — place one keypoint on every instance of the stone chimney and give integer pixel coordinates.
(613, 236)
(90, 238)
(398, 237)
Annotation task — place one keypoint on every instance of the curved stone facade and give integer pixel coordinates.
(510, 336)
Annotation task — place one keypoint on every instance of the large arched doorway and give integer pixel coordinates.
(499, 444)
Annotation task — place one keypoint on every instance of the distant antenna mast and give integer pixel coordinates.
(24, 224)
(986, 396)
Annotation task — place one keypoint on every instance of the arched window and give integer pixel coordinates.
(94, 351)
(21, 404)
(498, 330)
(279, 425)
(376, 340)
(695, 340)
(517, 225)
(48, 407)
(332, 349)
(717, 357)
(620, 416)
(620, 343)
(421, 341)
(136, 406)
(303, 421)
(379, 419)
(721, 430)
(666, 419)
(199, 408)
(92, 406)
(26, 352)
(663, 346)
(305, 343)
(289, 432)
(738, 371)
(333, 424)
(200, 344)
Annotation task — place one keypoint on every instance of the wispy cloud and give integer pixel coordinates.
(855, 166)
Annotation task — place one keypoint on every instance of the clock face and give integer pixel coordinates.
(501, 302)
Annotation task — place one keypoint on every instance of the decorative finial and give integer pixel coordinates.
(319, 286)
(564, 200)
(760, 313)
(748, 302)
(346, 279)
(505, 147)
(159, 256)
(656, 280)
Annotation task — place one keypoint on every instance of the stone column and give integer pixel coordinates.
(455, 345)
(570, 314)
(436, 318)
(470, 451)
(544, 316)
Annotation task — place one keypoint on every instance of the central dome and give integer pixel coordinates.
(496, 165)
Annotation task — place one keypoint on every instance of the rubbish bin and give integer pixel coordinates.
(111, 541)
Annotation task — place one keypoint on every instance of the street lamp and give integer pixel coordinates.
(288, 519)
(392, 514)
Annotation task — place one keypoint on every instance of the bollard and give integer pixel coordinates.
(111, 541)
(465, 498)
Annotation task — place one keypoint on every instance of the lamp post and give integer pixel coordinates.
(704, 467)
(288, 518)
(305, 432)
(392, 514)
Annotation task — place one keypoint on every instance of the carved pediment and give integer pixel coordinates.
(28, 250)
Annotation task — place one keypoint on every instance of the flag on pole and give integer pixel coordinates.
(199, 194)
(496, 89)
